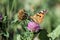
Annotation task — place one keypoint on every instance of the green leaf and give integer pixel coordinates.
(7, 34)
(43, 35)
(15, 18)
(4, 18)
(55, 33)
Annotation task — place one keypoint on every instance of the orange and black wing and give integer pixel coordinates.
(38, 18)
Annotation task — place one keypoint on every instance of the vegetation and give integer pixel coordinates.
(12, 29)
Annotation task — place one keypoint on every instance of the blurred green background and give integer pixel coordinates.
(11, 29)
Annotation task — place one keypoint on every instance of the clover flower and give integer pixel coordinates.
(33, 27)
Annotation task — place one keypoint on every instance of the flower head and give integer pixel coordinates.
(33, 27)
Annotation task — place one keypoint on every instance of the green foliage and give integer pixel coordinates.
(55, 33)
(43, 35)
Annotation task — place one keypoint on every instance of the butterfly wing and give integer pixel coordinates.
(22, 15)
(38, 18)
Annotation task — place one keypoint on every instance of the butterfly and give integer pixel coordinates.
(38, 17)
(22, 15)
